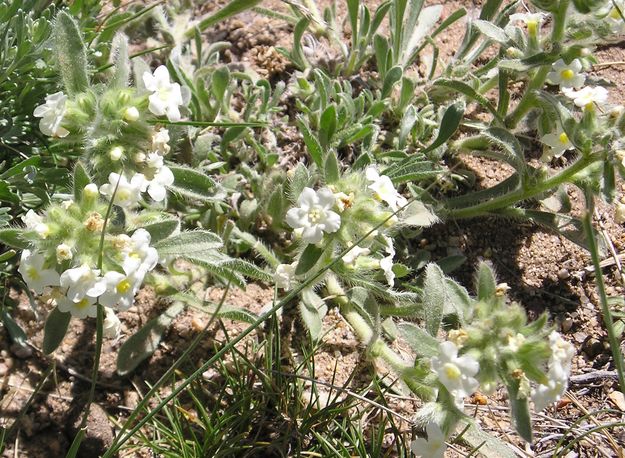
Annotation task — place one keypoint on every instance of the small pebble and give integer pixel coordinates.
(567, 324)
(21, 351)
(563, 274)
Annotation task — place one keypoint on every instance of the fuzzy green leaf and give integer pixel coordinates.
(485, 282)
(312, 143)
(71, 56)
(491, 31)
(434, 298)
(141, 345)
(468, 91)
(332, 168)
(15, 331)
(54, 330)
(13, 238)
(419, 340)
(309, 258)
(160, 230)
(327, 125)
(193, 183)
(313, 309)
(121, 61)
(188, 243)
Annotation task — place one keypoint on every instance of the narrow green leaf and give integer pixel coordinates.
(312, 143)
(16, 332)
(468, 91)
(54, 330)
(327, 125)
(231, 9)
(220, 82)
(309, 258)
(81, 179)
(142, 344)
(491, 31)
(520, 410)
(71, 56)
(390, 79)
(332, 168)
(434, 297)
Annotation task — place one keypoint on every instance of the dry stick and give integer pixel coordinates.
(593, 377)
(608, 240)
(605, 432)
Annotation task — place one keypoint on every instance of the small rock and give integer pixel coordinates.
(21, 351)
(567, 324)
(592, 347)
(618, 399)
(580, 337)
(563, 274)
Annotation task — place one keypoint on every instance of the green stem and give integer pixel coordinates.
(528, 100)
(605, 308)
(378, 347)
(522, 194)
(94, 377)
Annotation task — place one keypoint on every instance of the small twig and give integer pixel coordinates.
(609, 64)
(593, 377)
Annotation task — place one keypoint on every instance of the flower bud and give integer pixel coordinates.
(139, 158)
(90, 191)
(63, 252)
(116, 153)
(131, 114)
(95, 222)
(112, 325)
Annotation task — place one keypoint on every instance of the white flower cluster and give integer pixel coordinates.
(562, 353)
(570, 78)
(77, 288)
(155, 178)
(166, 96)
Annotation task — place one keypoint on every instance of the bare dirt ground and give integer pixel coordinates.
(545, 272)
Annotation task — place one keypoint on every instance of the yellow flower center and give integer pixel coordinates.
(567, 74)
(452, 371)
(614, 14)
(33, 273)
(123, 286)
(314, 215)
(590, 106)
(82, 304)
(532, 28)
(564, 139)
(123, 194)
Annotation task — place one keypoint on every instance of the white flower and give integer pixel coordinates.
(384, 189)
(614, 18)
(51, 114)
(562, 353)
(166, 96)
(284, 275)
(313, 214)
(456, 373)
(558, 142)
(531, 20)
(160, 141)
(34, 274)
(128, 192)
(34, 222)
(121, 289)
(81, 308)
(90, 191)
(352, 255)
(63, 252)
(386, 263)
(432, 447)
(154, 161)
(81, 282)
(112, 326)
(157, 186)
(567, 75)
(138, 254)
(587, 97)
